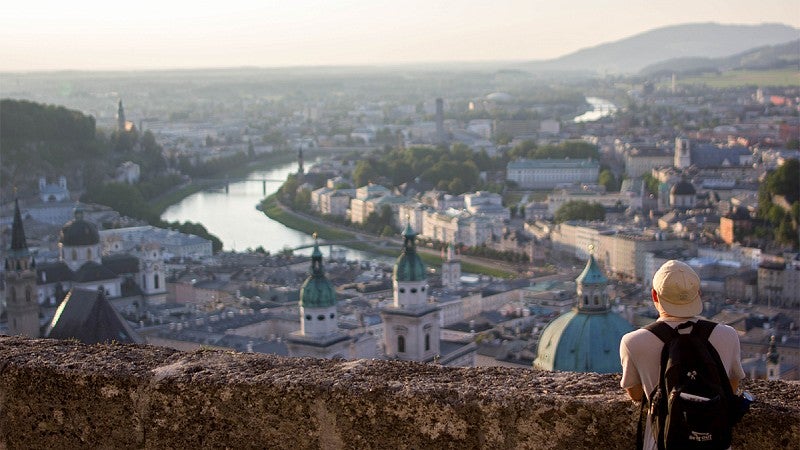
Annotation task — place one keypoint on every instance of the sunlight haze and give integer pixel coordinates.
(92, 35)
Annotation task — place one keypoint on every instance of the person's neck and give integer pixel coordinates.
(664, 316)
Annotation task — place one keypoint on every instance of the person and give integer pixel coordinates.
(676, 296)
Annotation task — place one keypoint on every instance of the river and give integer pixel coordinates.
(600, 108)
(232, 216)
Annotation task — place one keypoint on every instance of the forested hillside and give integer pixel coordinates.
(45, 140)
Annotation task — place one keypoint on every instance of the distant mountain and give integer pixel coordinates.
(762, 58)
(703, 40)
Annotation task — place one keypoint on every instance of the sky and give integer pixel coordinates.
(147, 34)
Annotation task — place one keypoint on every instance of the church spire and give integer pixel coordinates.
(120, 117)
(316, 260)
(22, 307)
(19, 244)
(317, 291)
(772, 353)
(773, 361)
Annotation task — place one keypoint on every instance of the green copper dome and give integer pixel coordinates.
(582, 342)
(317, 290)
(409, 266)
(591, 273)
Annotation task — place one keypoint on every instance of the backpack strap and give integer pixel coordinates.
(665, 333)
(662, 331)
(640, 426)
(703, 328)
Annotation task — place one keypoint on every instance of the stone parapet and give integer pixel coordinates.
(62, 394)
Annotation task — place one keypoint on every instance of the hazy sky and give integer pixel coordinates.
(141, 34)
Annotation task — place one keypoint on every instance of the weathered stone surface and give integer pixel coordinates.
(61, 394)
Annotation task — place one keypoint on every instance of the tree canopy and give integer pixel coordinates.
(783, 216)
(569, 149)
(579, 210)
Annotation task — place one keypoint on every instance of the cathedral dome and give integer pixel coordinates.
(79, 232)
(317, 291)
(587, 338)
(409, 266)
(683, 187)
(582, 342)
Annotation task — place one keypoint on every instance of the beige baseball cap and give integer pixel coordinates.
(678, 288)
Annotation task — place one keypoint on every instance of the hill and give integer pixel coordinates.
(771, 57)
(44, 140)
(696, 40)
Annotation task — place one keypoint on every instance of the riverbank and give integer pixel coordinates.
(275, 211)
(164, 201)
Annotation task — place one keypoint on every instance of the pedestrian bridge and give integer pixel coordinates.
(226, 182)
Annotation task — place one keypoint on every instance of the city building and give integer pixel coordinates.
(87, 316)
(585, 339)
(642, 160)
(22, 306)
(550, 173)
(451, 269)
(319, 335)
(703, 155)
(49, 193)
(173, 243)
(411, 323)
(683, 195)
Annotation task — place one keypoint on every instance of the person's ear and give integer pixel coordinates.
(654, 294)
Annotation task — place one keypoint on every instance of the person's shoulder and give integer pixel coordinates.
(635, 335)
(725, 331)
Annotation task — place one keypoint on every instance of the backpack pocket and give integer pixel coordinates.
(694, 421)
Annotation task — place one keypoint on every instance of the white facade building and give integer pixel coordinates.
(550, 173)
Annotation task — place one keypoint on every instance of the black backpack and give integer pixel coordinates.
(693, 406)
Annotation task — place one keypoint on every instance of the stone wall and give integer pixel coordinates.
(62, 394)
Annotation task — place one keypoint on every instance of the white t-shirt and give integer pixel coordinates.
(640, 354)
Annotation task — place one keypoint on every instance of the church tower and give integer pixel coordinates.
(591, 287)
(411, 324)
(120, 118)
(300, 169)
(151, 267)
(22, 304)
(683, 153)
(319, 334)
(773, 361)
(451, 269)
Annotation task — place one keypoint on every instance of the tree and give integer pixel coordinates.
(607, 179)
(651, 183)
(302, 200)
(579, 210)
(783, 182)
(364, 173)
(786, 232)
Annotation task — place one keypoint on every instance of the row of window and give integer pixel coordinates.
(401, 343)
(13, 294)
(413, 290)
(320, 317)
(75, 254)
